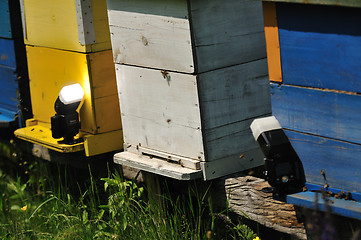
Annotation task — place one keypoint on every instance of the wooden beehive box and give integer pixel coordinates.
(314, 54)
(76, 25)
(13, 69)
(191, 77)
(51, 69)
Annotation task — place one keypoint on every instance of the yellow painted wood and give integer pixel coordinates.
(51, 69)
(101, 143)
(272, 42)
(53, 23)
(41, 134)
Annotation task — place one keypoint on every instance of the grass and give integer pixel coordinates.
(38, 202)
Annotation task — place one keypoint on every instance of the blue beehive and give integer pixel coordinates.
(13, 68)
(314, 54)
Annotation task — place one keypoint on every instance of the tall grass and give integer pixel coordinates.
(37, 203)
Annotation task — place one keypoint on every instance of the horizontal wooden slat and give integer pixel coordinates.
(152, 34)
(329, 114)
(320, 46)
(226, 32)
(340, 160)
(233, 94)
(54, 24)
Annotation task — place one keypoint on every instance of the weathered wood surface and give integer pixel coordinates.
(160, 110)
(54, 24)
(320, 46)
(340, 160)
(325, 113)
(151, 33)
(184, 36)
(226, 33)
(244, 194)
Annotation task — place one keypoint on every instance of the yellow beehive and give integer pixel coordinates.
(76, 25)
(49, 71)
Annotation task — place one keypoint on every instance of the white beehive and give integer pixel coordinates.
(192, 75)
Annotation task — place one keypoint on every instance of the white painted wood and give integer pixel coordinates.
(84, 18)
(233, 94)
(182, 161)
(160, 111)
(157, 166)
(158, 34)
(227, 32)
(152, 34)
(247, 159)
(231, 141)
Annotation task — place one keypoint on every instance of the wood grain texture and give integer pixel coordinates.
(324, 113)
(152, 34)
(54, 24)
(340, 160)
(217, 34)
(272, 42)
(160, 110)
(230, 141)
(226, 33)
(320, 46)
(233, 94)
(245, 196)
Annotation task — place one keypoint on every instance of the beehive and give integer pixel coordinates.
(13, 70)
(314, 55)
(68, 42)
(191, 77)
(75, 25)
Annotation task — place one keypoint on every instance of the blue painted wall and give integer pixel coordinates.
(320, 46)
(319, 101)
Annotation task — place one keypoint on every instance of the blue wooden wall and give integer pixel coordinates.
(13, 66)
(319, 101)
(320, 46)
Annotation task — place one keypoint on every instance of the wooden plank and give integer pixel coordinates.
(272, 42)
(233, 94)
(160, 110)
(320, 46)
(324, 113)
(103, 142)
(229, 164)
(104, 92)
(8, 90)
(340, 160)
(226, 33)
(157, 166)
(349, 209)
(54, 24)
(153, 34)
(245, 196)
(184, 162)
(346, 3)
(7, 52)
(230, 141)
